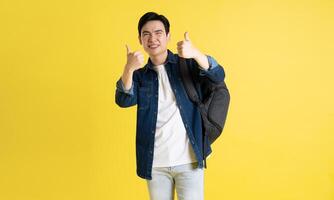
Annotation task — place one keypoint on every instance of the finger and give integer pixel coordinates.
(179, 43)
(137, 53)
(127, 49)
(186, 36)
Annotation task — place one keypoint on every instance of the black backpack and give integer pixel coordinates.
(213, 105)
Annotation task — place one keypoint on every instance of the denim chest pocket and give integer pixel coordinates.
(144, 96)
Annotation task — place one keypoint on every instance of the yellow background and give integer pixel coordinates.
(62, 137)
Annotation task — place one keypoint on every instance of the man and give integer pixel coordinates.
(169, 128)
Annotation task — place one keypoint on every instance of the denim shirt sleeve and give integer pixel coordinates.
(126, 98)
(215, 72)
(120, 86)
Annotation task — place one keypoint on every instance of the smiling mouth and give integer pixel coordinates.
(153, 46)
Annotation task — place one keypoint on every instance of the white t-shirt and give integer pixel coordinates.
(171, 146)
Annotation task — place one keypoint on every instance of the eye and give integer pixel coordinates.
(146, 34)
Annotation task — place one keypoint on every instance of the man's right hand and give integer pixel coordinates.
(134, 62)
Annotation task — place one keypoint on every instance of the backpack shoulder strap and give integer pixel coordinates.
(192, 93)
(187, 81)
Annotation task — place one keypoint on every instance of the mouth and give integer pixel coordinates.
(153, 46)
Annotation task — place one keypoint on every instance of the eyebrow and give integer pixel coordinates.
(159, 30)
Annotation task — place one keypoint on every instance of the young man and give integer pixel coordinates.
(169, 128)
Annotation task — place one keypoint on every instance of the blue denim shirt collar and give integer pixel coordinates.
(171, 58)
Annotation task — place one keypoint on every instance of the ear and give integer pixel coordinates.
(139, 40)
(168, 36)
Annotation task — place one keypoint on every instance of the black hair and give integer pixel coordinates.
(150, 16)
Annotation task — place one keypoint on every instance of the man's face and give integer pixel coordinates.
(153, 38)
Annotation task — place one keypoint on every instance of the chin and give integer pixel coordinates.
(153, 53)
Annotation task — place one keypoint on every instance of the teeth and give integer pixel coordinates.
(153, 46)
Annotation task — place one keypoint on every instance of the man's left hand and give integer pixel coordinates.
(185, 48)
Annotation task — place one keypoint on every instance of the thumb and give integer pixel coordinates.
(186, 36)
(127, 49)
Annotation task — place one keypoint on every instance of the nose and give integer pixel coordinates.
(152, 37)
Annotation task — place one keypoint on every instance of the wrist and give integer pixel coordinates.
(202, 60)
(197, 55)
(128, 70)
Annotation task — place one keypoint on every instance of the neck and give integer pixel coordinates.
(159, 59)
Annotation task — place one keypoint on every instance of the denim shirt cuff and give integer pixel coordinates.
(212, 64)
(120, 86)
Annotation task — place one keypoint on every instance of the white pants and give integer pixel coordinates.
(188, 180)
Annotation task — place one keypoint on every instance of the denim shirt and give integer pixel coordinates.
(144, 94)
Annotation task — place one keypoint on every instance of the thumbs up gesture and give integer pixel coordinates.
(134, 60)
(185, 48)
